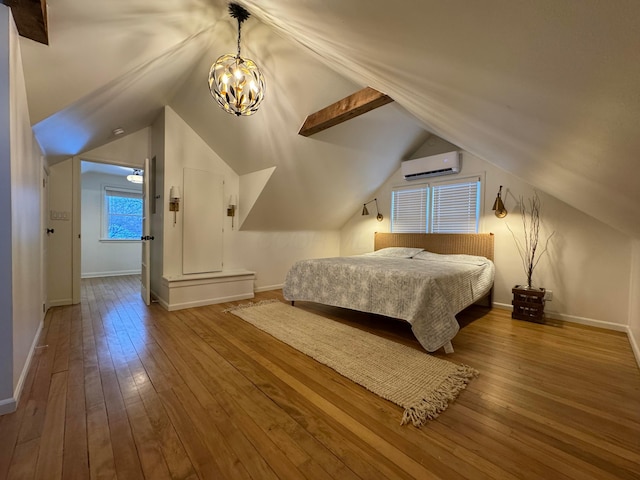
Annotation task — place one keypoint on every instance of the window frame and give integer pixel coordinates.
(429, 187)
(104, 214)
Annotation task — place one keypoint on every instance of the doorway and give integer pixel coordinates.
(110, 219)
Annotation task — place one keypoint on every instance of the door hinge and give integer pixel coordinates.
(43, 308)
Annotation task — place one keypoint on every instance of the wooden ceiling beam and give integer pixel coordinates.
(31, 18)
(349, 107)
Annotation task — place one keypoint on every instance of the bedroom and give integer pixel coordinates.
(593, 269)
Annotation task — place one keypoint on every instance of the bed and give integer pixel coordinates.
(424, 279)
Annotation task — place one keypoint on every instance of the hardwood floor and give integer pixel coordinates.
(119, 390)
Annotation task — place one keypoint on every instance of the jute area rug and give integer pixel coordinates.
(423, 385)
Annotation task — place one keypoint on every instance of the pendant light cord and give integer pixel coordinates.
(241, 14)
(239, 34)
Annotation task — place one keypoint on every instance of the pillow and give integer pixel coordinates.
(398, 252)
(424, 255)
(453, 258)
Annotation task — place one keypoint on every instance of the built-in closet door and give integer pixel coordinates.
(203, 221)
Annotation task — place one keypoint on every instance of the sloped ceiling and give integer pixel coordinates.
(547, 90)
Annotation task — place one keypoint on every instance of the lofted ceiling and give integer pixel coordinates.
(546, 90)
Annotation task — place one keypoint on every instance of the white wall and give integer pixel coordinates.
(183, 148)
(587, 266)
(269, 254)
(175, 146)
(60, 258)
(130, 150)
(6, 293)
(26, 173)
(20, 241)
(100, 258)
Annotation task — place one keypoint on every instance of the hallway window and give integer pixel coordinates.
(122, 214)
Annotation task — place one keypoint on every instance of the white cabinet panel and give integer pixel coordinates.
(203, 221)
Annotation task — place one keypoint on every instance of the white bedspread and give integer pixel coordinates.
(427, 292)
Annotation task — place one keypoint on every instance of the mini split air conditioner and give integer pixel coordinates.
(433, 166)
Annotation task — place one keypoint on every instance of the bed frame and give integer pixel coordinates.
(480, 244)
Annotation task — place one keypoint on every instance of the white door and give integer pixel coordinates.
(46, 231)
(145, 277)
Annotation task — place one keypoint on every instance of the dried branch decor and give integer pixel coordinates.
(529, 246)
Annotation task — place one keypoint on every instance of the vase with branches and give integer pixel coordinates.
(529, 246)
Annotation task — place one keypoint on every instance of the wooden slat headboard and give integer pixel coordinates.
(447, 243)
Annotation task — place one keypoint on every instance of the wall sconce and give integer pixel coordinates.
(231, 209)
(498, 205)
(174, 201)
(379, 217)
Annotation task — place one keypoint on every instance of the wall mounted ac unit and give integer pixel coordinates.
(433, 166)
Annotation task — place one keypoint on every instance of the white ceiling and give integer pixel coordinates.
(547, 90)
(106, 168)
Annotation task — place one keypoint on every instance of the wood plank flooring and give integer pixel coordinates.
(119, 390)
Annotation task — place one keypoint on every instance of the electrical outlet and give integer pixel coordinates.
(548, 295)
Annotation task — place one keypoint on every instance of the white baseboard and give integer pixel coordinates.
(164, 304)
(23, 376)
(155, 298)
(118, 273)
(635, 345)
(10, 405)
(60, 303)
(574, 319)
(202, 303)
(268, 288)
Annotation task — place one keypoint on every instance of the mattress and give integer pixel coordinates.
(423, 288)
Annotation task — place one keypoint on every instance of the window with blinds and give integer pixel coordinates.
(122, 214)
(409, 210)
(439, 207)
(455, 207)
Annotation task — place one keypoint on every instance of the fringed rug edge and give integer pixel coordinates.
(446, 393)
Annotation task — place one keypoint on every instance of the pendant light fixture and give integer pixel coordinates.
(136, 177)
(235, 82)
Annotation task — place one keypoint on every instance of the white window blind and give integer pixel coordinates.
(439, 207)
(409, 210)
(455, 207)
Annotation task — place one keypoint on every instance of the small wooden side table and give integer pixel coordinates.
(528, 303)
